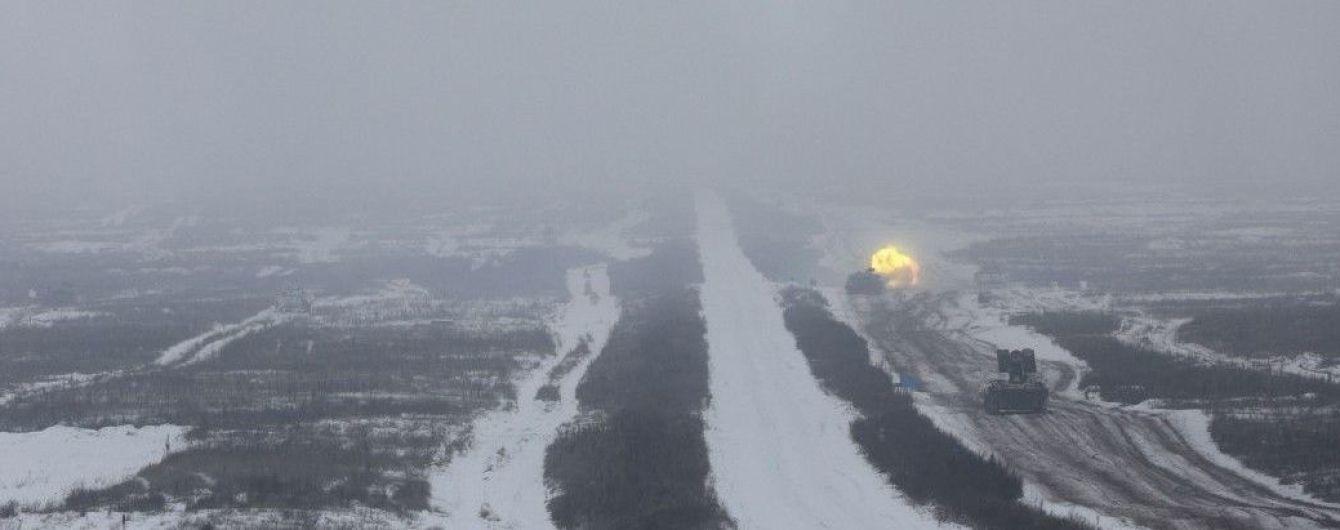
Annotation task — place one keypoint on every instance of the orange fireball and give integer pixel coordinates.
(898, 268)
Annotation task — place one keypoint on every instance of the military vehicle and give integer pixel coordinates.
(866, 282)
(1022, 392)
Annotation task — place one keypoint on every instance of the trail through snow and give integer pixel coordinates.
(499, 481)
(779, 446)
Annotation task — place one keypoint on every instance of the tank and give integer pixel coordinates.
(1023, 391)
(865, 282)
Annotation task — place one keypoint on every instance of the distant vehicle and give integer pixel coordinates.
(865, 282)
(1022, 392)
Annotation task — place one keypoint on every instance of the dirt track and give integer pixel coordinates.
(1125, 463)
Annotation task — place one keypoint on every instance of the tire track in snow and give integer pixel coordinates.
(498, 482)
(780, 447)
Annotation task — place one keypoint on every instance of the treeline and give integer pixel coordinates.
(778, 243)
(1274, 330)
(925, 463)
(294, 470)
(1282, 424)
(1299, 446)
(639, 458)
(1117, 366)
(672, 265)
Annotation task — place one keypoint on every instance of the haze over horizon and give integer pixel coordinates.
(370, 104)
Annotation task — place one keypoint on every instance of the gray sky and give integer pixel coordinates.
(159, 99)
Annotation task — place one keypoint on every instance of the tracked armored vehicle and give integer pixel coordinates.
(866, 282)
(1022, 392)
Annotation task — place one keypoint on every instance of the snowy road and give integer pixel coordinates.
(499, 481)
(1148, 467)
(780, 448)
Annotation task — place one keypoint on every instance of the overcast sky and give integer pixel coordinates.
(453, 98)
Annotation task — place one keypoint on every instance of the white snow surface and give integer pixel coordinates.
(779, 446)
(43, 466)
(498, 482)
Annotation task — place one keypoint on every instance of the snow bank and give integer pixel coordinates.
(41, 467)
(779, 446)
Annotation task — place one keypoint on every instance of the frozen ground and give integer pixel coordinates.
(38, 468)
(498, 482)
(779, 446)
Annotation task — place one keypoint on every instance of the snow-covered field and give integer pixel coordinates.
(38, 468)
(779, 446)
(498, 482)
